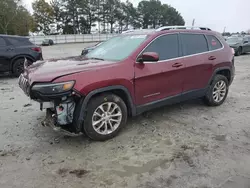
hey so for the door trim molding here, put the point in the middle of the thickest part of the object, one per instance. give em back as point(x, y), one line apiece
point(171, 100)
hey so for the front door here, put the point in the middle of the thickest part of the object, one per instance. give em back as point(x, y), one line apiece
point(159, 80)
point(5, 54)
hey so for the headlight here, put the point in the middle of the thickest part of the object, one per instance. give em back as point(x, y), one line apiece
point(54, 88)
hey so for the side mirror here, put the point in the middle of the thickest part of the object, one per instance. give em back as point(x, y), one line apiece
point(148, 56)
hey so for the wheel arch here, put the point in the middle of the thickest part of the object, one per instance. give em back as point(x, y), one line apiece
point(118, 90)
point(30, 58)
point(225, 71)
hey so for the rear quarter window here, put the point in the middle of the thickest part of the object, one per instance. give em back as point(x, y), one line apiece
point(19, 41)
point(213, 42)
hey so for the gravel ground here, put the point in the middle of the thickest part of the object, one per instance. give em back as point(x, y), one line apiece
point(186, 145)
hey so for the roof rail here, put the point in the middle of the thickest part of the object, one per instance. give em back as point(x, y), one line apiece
point(138, 30)
point(182, 27)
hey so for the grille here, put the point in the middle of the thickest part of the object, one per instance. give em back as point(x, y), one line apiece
point(24, 84)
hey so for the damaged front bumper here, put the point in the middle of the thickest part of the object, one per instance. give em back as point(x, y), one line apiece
point(60, 107)
point(51, 121)
point(61, 115)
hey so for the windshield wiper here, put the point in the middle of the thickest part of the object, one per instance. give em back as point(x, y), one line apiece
point(96, 58)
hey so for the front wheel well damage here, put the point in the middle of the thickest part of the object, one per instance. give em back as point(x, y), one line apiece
point(120, 93)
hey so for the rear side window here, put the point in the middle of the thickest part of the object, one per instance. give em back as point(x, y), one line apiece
point(213, 42)
point(193, 44)
point(19, 41)
point(166, 46)
point(2, 42)
point(13, 40)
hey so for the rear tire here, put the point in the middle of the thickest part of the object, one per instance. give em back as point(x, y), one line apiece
point(18, 67)
point(106, 115)
point(217, 92)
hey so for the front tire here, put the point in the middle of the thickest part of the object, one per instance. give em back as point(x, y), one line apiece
point(239, 51)
point(106, 115)
point(217, 92)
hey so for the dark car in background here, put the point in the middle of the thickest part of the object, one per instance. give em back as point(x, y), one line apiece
point(240, 45)
point(13, 52)
point(86, 50)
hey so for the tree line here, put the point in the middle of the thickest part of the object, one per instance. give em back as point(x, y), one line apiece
point(80, 16)
point(15, 19)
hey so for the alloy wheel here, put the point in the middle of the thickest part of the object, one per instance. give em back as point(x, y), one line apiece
point(106, 118)
point(20, 67)
point(219, 91)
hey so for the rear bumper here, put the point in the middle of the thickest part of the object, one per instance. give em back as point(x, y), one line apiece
point(232, 72)
point(38, 57)
point(236, 48)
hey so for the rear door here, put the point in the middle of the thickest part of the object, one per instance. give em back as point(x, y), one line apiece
point(247, 44)
point(162, 79)
point(197, 61)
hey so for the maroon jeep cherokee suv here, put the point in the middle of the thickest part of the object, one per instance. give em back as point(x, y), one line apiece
point(129, 74)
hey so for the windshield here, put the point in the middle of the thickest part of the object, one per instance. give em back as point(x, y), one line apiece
point(234, 40)
point(117, 48)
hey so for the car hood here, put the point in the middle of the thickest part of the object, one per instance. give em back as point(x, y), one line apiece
point(47, 71)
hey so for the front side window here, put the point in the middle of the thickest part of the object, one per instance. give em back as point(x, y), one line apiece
point(193, 44)
point(213, 42)
point(166, 46)
point(117, 48)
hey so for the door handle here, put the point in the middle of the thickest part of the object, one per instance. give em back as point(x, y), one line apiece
point(212, 58)
point(177, 65)
point(10, 49)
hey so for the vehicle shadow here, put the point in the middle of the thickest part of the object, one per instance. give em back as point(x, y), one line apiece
point(146, 119)
point(7, 76)
point(245, 54)
point(7, 79)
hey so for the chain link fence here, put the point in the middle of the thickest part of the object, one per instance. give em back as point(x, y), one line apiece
point(79, 38)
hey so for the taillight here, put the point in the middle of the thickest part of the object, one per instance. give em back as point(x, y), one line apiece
point(233, 52)
point(37, 49)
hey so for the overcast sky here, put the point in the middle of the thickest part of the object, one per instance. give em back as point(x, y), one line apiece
point(216, 14)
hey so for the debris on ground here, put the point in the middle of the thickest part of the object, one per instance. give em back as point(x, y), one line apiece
point(27, 105)
point(62, 171)
point(221, 137)
point(79, 172)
